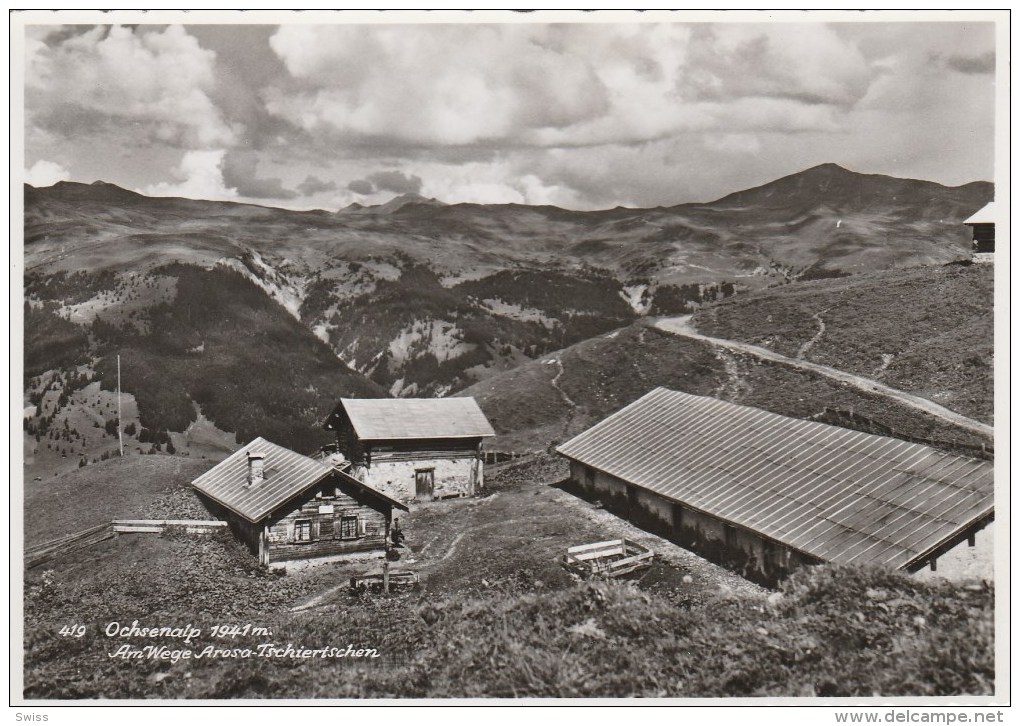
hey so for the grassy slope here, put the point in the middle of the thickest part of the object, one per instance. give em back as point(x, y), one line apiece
point(935, 322)
point(101, 492)
point(833, 632)
point(603, 374)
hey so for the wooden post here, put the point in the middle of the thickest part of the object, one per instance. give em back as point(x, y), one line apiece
point(934, 564)
point(971, 540)
point(120, 424)
point(386, 576)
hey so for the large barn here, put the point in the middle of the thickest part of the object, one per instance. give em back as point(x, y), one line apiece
point(767, 493)
point(413, 448)
point(286, 506)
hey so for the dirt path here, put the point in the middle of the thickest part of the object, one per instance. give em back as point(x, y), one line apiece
point(681, 326)
point(802, 351)
point(555, 383)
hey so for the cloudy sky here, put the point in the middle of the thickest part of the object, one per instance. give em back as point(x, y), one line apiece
point(583, 116)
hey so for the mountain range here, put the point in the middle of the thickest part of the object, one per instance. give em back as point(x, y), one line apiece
point(418, 297)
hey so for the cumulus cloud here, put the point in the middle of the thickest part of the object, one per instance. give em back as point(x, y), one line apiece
point(807, 64)
point(46, 173)
point(434, 84)
point(972, 64)
point(558, 85)
point(396, 182)
point(199, 176)
point(361, 186)
point(154, 82)
point(314, 185)
point(583, 115)
point(240, 172)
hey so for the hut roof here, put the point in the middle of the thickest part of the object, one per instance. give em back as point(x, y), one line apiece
point(286, 475)
point(413, 418)
point(840, 495)
point(988, 214)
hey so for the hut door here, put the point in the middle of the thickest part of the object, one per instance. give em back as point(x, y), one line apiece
point(424, 484)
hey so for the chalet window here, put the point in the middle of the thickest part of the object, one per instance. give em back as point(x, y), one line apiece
point(348, 527)
point(303, 530)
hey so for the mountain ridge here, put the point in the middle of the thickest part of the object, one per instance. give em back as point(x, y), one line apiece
point(395, 203)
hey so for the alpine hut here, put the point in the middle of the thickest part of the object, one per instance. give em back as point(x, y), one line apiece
point(286, 506)
point(767, 493)
point(413, 448)
point(982, 225)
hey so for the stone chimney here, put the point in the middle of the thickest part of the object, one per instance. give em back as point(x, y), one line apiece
point(256, 468)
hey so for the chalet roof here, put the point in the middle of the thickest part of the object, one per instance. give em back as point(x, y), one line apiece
point(413, 418)
point(286, 473)
point(840, 495)
point(988, 214)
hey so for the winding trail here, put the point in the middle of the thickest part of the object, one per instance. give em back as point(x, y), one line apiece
point(555, 383)
point(802, 351)
point(681, 326)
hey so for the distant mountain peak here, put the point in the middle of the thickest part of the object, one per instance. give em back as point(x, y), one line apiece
point(832, 184)
point(394, 205)
point(97, 191)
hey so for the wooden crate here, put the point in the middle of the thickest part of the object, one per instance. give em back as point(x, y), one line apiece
point(611, 558)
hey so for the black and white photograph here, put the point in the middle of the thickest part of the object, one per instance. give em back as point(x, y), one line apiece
point(511, 357)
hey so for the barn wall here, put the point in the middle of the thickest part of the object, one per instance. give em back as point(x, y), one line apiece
point(984, 237)
point(661, 509)
point(454, 477)
point(740, 549)
point(347, 441)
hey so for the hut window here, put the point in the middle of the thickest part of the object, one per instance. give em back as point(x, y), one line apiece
point(348, 527)
point(303, 530)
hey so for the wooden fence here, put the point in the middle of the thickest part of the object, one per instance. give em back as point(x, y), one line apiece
point(46, 551)
point(157, 526)
point(498, 457)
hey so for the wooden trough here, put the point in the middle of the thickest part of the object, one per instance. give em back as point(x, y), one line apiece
point(612, 558)
point(375, 580)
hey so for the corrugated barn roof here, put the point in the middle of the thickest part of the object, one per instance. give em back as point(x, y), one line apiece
point(286, 474)
point(414, 418)
point(840, 495)
point(988, 214)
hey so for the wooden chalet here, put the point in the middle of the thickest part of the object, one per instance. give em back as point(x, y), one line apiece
point(286, 506)
point(982, 225)
point(766, 493)
point(413, 448)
